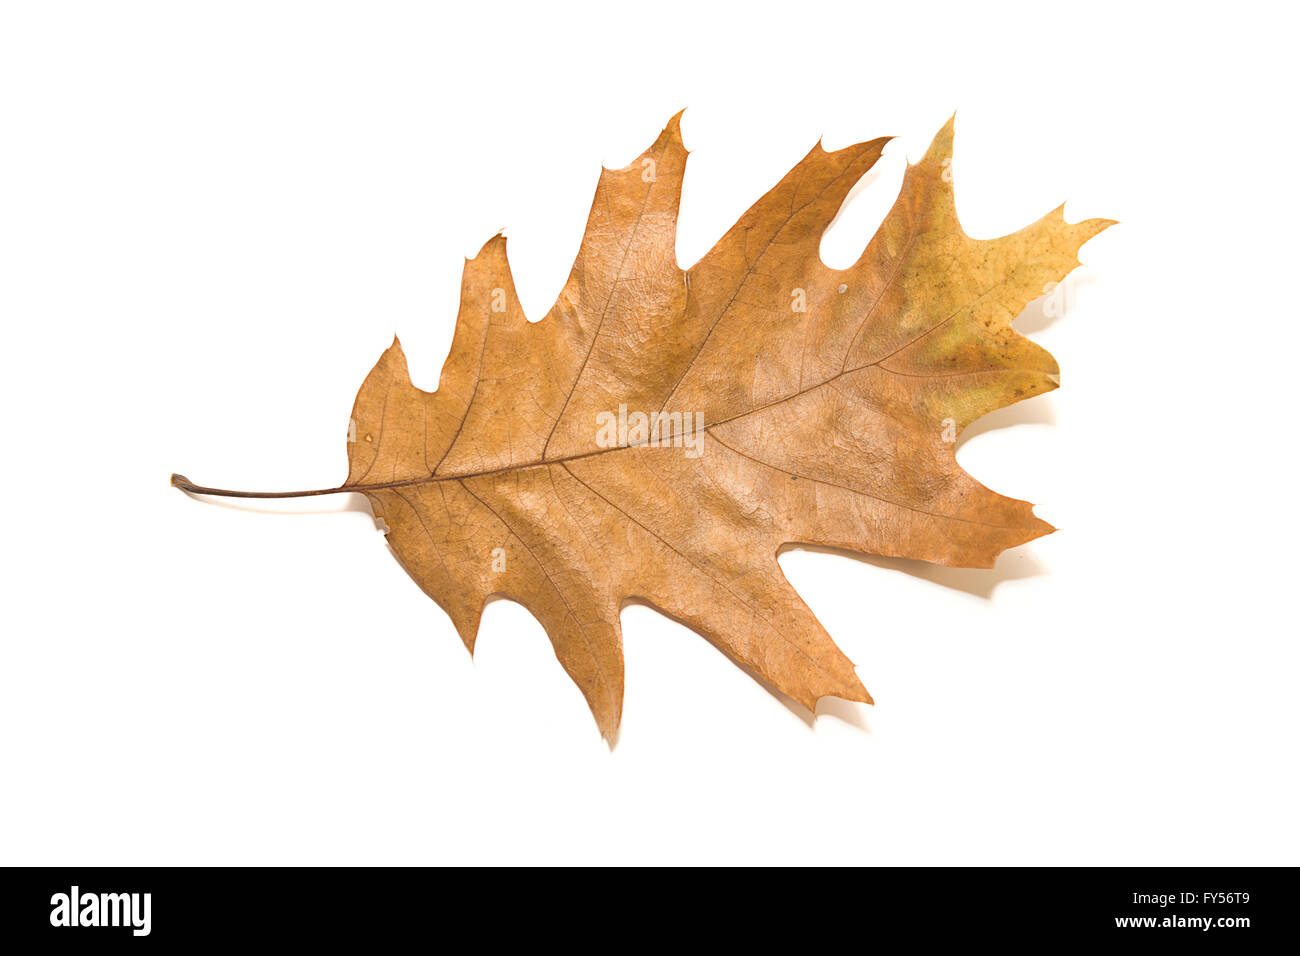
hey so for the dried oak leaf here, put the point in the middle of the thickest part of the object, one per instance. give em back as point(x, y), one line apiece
point(828, 400)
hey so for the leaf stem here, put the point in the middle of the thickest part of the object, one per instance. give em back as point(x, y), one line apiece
point(184, 484)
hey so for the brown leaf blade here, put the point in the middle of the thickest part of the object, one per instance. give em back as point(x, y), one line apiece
point(827, 401)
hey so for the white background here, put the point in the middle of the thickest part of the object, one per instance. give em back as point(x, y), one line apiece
point(214, 217)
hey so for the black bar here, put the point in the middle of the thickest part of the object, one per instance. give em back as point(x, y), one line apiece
point(849, 910)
